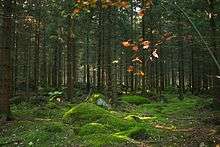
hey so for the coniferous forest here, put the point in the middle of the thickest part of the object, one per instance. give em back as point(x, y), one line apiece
point(100, 73)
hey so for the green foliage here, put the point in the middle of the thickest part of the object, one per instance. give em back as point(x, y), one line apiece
point(54, 127)
point(55, 94)
point(135, 99)
point(36, 137)
point(95, 96)
point(52, 105)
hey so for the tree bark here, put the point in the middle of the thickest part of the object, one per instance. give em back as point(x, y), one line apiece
point(5, 61)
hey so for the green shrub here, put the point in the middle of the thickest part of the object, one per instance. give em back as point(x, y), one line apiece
point(55, 94)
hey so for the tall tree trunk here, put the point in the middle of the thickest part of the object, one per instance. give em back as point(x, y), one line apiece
point(5, 61)
point(100, 26)
point(109, 57)
point(216, 52)
point(69, 60)
point(87, 64)
point(37, 48)
point(44, 81)
point(55, 64)
point(180, 60)
point(59, 76)
point(173, 75)
point(144, 56)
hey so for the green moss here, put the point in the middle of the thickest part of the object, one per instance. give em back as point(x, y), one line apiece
point(90, 113)
point(135, 99)
point(137, 133)
point(84, 113)
point(95, 96)
point(36, 137)
point(137, 118)
point(91, 125)
point(54, 127)
point(94, 128)
point(99, 140)
point(51, 105)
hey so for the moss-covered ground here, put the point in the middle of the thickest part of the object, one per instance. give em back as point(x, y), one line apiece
point(135, 122)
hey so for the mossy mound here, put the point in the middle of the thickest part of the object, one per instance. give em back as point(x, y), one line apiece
point(54, 127)
point(94, 128)
point(95, 96)
point(90, 113)
point(84, 113)
point(99, 99)
point(136, 133)
point(135, 99)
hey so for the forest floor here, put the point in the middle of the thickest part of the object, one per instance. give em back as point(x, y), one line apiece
point(134, 122)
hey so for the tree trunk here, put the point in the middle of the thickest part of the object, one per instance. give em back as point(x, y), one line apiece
point(69, 60)
point(216, 52)
point(5, 61)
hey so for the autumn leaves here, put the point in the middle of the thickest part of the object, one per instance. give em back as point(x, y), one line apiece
point(141, 45)
point(123, 4)
point(137, 48)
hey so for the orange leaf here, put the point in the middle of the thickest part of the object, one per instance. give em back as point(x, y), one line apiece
point(130, 69)
point(76, 11)
point(141, 13)
point(135, 48)
point(125, 43)
point(140, 74)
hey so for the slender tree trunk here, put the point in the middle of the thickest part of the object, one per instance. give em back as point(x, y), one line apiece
point(99, 5)
point(60, 78)
point(5, 61)
point(69, 60)
point(87, 64)
point(181, 60)
point(37, 51)
point(173, 75)
point(44, 61)
point(216, 52)
point(109, 57)
point(144, 56)
point(55, 65)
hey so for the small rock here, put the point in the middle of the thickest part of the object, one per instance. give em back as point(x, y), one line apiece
point(101, 102)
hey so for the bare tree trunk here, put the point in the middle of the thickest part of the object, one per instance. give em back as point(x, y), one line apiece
point(87, 64)
point(5, 61)
point(69, 61)
point(99, 5)
point(44, 62)
point(216, 52)
point(180, 60)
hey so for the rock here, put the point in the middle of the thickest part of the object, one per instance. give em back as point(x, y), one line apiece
point(103, 103)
